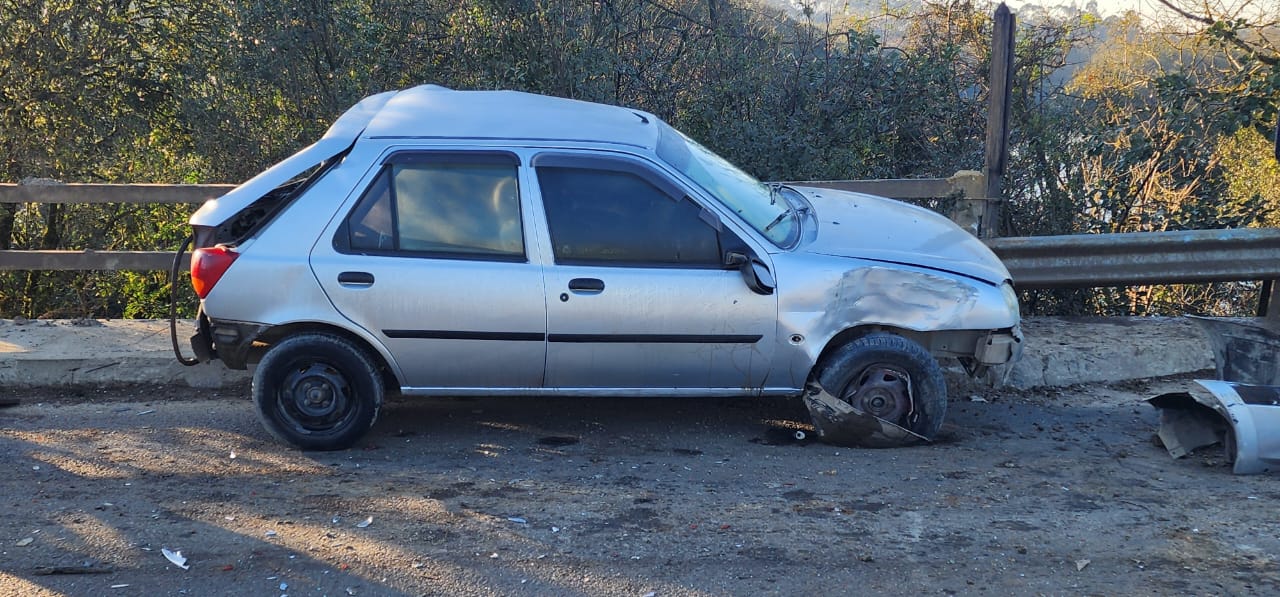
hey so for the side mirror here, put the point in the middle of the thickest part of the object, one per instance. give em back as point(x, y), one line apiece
point(757, 277)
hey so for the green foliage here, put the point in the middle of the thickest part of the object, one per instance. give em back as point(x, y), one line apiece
point(1151, 133)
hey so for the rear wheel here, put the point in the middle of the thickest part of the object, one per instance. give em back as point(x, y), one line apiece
point(890, 377)
point(317, 391)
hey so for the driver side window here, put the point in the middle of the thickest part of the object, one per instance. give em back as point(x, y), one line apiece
point(603, 216)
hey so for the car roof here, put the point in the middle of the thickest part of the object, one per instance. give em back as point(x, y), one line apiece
point(435, 112)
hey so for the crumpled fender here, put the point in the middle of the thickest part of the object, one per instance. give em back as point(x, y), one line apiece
point(837, 422)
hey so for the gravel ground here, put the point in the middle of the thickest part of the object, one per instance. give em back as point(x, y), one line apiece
point(1056, 492)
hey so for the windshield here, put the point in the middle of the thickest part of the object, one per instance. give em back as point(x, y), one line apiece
point(762, 207)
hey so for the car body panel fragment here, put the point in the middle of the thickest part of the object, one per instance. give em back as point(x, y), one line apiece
point(1244, 418)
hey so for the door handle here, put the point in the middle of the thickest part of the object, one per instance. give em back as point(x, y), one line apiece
point(586, 285)
point(356, 279)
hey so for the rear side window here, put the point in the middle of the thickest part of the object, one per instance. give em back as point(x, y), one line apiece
point(606, 216)
point(443, 205)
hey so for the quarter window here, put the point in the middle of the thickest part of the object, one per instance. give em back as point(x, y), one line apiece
point(441, 205)
point(618, 217)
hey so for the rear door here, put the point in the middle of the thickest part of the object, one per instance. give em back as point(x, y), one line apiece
point(432, 260)
point(638, 296)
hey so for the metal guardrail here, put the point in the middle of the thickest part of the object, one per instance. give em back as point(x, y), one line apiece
point(52, 192)
point(1073, 261)
point(1141, 258)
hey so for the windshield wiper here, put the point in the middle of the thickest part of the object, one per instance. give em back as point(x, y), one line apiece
point(778, 220)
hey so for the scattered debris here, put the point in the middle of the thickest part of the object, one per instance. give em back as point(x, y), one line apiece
point(838, 422)
point(364, 524)
point(784, 435)
point(119, 586)
point(270, 534)
point(175, 558)
point(25, 541)
point(147, 412)
point(1244, 418)
point(1081, 564)
point(517, 520)
point(978, 399)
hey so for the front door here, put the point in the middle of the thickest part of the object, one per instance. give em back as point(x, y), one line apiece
point(637, 296)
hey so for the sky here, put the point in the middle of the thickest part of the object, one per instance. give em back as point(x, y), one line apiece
point(1105, 7)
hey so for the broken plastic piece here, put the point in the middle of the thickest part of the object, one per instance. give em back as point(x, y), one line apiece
point(1244, 348)
point(25, 541)
point(838, 422)
point(175, 558)
point(1244, 418)
point(518, 520)
point(364, 524)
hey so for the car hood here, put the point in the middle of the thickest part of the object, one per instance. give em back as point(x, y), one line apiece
point(876, 228)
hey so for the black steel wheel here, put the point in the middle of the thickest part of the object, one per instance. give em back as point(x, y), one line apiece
point(317, 391)
point(890, 377)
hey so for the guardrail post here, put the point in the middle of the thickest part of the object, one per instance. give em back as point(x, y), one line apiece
point(999, 90)
point(1267, 306)
point(969, 210)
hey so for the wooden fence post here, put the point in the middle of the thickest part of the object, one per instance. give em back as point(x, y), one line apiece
point(997, 146)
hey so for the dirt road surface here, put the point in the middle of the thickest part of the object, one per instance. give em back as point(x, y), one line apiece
point(1055, 492)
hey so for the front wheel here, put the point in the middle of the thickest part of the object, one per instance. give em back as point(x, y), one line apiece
point(890, 377)
point(317, 391)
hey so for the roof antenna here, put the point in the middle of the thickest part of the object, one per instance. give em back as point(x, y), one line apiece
point(642, 118)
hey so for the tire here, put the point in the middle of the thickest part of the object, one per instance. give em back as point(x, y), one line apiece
point(891, 377)
point(317, 391)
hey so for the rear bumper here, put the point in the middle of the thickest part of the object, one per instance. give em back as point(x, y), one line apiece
point(231, 342)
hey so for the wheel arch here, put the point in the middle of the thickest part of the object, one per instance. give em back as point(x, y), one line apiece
point(274, 334)
point(853, 333)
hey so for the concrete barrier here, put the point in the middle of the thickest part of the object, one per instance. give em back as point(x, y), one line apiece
point(1059, 351)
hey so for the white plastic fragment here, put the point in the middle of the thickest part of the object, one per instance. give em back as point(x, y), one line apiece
point(517, 520)
point(175, 558)
point(270, 533)
point(1080, 564)
point(25, 541)
point(284, 586)
point(146, 412)
point(364, 524)
point(118, 586)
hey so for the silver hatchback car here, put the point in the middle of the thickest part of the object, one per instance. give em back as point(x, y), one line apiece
point(445, 242)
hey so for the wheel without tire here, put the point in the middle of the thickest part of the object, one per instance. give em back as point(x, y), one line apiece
point(317, 391)
point(890, 377)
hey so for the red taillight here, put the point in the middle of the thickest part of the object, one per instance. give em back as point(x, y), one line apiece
point(208, 265)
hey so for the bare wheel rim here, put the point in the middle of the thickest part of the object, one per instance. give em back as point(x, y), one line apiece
point(316, 398)
point(881, 390)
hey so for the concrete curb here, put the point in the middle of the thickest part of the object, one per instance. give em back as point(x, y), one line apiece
point(1059, 351)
